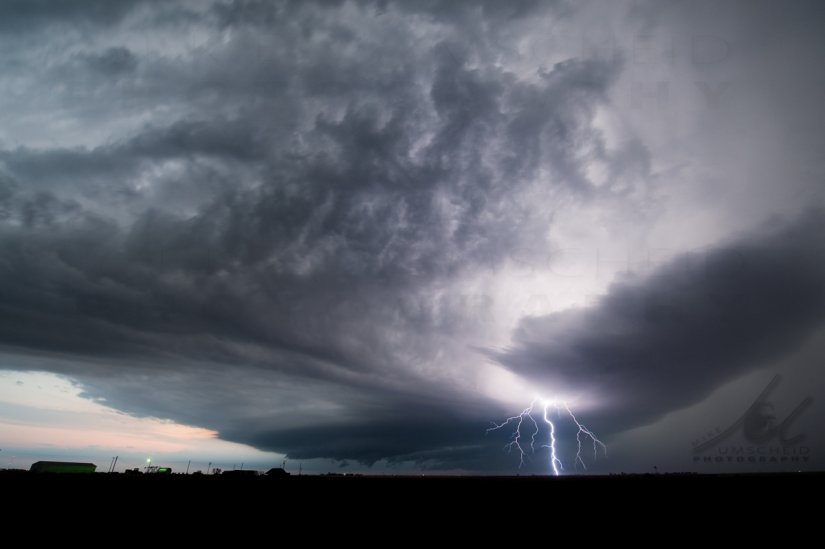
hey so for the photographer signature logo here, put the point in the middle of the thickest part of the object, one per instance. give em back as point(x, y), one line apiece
point(766, 434)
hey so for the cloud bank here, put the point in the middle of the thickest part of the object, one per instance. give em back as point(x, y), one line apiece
point(300, 224)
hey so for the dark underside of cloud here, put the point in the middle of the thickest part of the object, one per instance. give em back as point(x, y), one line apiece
point(663, 342)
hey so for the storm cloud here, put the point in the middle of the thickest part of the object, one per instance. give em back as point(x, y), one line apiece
point(334, 229)
point(662, 342)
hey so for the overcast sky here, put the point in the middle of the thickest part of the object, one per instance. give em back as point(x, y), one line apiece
point(355, 233)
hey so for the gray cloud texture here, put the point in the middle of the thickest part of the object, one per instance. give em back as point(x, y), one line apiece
point(264, 218)
point(662, 342)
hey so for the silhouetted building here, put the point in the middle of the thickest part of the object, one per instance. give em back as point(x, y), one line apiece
point(157, 470)
point(62, 467)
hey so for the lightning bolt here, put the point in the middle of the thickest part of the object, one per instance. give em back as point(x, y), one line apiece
point(587, 433)
point(516, 437)
point(555, 462)
point(526, 415)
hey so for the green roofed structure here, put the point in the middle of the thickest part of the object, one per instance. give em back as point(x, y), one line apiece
point(62, 467)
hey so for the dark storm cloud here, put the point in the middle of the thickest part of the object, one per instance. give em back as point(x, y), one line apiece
point(259, 217)
point(113, 61)
point(291, 220)
point(359, 215)
point(262, 12)
point(218, 138)
point(666, 341)
point(397, 432)
point(22, 15)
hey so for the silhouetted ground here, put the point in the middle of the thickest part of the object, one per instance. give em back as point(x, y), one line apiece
point(179, 483)
point(327, 505)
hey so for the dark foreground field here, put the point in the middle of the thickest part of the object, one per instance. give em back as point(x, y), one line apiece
point(330, 484)
point(473, 503)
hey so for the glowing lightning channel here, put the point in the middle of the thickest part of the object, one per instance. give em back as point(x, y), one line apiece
point(516, 442)
point(527, 414)
point(587, 432)
point(555, 462)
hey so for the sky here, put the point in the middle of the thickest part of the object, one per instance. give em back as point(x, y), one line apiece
point(354, 235)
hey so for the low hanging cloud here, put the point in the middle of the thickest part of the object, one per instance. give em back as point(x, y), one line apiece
point(265, 218)
point(665, 341)
point(296, 221)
